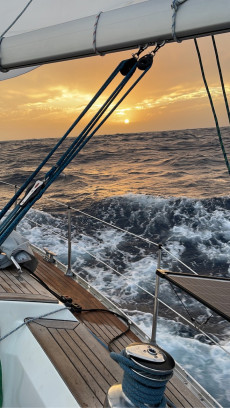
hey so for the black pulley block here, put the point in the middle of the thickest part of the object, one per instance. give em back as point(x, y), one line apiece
point(145, 62)
point(128, 65)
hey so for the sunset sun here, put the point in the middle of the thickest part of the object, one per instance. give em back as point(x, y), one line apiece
point(126, 121)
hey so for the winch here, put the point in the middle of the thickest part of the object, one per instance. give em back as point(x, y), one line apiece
point(147, 369)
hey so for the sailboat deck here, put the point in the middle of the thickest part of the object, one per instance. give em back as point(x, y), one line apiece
point(78, 349)
point(12, 287)
point(104, 327)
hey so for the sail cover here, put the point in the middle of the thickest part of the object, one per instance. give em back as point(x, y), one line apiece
point(53, 30)
point(213, 292)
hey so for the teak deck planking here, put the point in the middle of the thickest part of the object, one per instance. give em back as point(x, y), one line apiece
point(76, 348)
point(106, 326)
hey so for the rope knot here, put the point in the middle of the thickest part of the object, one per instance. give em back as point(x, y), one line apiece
point(175, 6)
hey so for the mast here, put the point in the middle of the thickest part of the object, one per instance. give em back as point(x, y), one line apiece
point(124, 28)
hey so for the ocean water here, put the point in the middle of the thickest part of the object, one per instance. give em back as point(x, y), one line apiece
point(169, 187)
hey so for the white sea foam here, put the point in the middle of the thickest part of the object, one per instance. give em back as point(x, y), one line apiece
point(187, 228)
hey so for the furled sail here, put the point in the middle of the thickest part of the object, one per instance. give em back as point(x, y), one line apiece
point(53, 30)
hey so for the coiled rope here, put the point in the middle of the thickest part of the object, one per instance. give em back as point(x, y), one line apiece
point(139, 389)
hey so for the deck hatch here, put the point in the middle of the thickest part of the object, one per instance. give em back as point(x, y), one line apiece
point(212, 292)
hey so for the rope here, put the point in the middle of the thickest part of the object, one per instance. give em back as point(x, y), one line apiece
point(212, 107)
point(32, 319)
point(175, 6)
point(19, 211)
point(8, 28)
point(95, 35)
point(221, 77)
point(139, 389)
point(59, 143)
point(16, 19)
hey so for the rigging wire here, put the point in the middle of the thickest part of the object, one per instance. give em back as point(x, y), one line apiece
point(221, 77)
point(15, 20)
point(128, 68)
point(212, 106)
point(197, 325)
point(59, 143)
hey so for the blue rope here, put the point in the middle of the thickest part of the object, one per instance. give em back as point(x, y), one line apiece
point(139, 389)
point(33, 175)
point(18, 213)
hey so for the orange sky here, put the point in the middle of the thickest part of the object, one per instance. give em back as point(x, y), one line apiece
point(46, 101)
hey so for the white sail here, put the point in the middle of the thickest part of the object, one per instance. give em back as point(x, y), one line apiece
point(52, 30)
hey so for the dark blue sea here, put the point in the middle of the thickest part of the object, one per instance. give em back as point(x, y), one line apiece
point(168, 187)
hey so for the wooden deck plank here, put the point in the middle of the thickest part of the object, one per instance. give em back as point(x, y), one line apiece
point(26, 289)
point(31, 285)
point(26, 297)
point(8, 285)
point(60, 361)
point(110, 329)
point(91, 368)
point(79, 368)
point(16, 284)
point(2, 289)
point(88, 346)
point(70, 350)
point(172, 397)
point(100, 328)
point(182, 392)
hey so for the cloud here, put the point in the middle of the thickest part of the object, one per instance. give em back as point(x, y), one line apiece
point(61, 101)
point(178, 96)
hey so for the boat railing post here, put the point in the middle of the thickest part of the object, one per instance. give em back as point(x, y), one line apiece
point(156, 302)
point(69, 271)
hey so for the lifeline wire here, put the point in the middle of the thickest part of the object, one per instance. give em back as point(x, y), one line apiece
point(32, 319)
point(175, 6)
point(212, 107)
point(144, 290)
